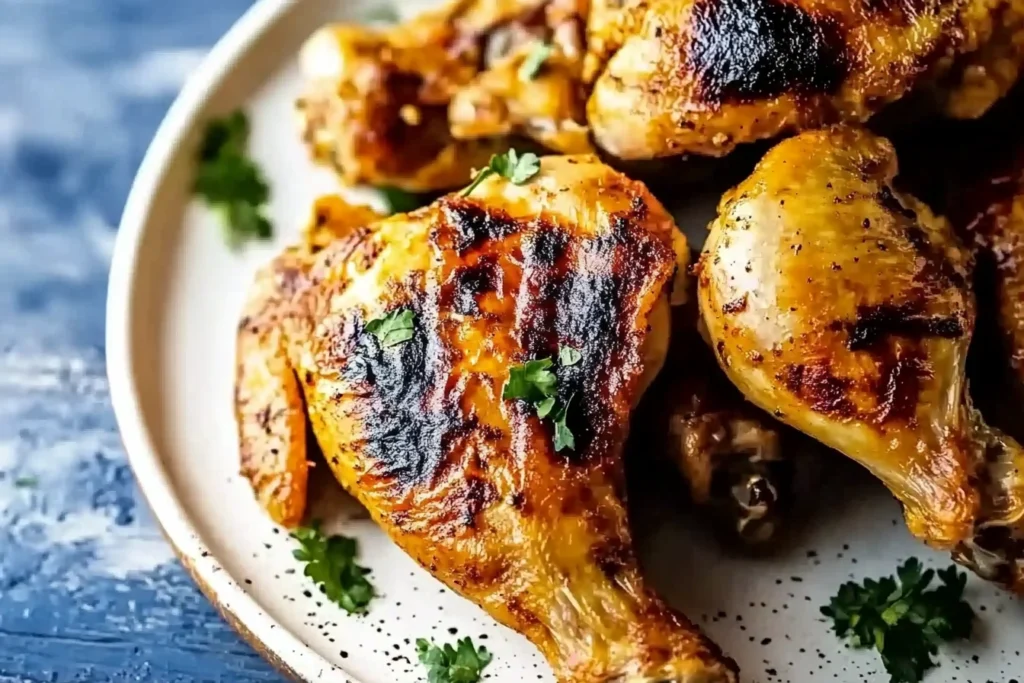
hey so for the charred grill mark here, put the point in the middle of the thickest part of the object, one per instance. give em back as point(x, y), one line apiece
point(899, 386)
point(590, 314)
point(546, 246)
point(476, 495)
point(470, 225)
point(466, 283)
point(568, 305)
point(875, 324)
point(566, 301)
point(743, 50)
point(408, 430)
point(823, 391)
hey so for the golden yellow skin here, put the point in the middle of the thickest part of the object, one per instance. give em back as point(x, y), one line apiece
point(843, 308)
point(467, 483)
point(675, 77)
point(422, 104)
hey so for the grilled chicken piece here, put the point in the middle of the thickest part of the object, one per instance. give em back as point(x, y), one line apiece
point(469, 484)
point(420, 105)
point(842, 307)
point(728, 452)
point(674, 77)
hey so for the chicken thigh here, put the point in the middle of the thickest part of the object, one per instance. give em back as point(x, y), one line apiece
point(676, 77)
point(843, 307)
point(518, 510)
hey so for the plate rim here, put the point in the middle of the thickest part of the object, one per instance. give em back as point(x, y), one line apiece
point(275, 643)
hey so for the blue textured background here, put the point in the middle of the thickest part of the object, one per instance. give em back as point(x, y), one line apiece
point(89, 591)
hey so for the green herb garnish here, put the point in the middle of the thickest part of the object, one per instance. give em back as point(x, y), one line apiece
point(330, 562)
point(904, 621)
point(446, 664)
point(26, 483)
point(563, 435)
point(230, 182)
point(531, 66)
point(567, 356)
point(400, 201)
point(545, 407)
point(534, 382)
point(514, 168)
point(394, 328)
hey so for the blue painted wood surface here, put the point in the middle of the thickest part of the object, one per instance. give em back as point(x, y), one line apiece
point(89, 591)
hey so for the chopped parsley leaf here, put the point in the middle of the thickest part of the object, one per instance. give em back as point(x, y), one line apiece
point(534, 61)
point(393, 329)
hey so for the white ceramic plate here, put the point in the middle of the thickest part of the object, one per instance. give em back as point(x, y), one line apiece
point(175, 296)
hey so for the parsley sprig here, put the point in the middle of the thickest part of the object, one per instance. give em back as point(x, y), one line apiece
point(531, 66)
point(514, 168)
point(535, 383)
point(396, 327)
point(532, 381)
point(331, 563)
point(463, 663)
point(230, 182)
point(905, 621)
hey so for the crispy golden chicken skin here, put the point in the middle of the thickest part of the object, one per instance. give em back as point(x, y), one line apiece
point(673, 77)
point(843, 307)
point(469, 484)
point(421, 104)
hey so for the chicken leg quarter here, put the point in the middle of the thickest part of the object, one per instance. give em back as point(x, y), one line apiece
point(842, 307)
point(468, 483)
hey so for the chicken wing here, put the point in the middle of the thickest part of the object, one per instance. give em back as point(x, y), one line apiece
point(272, 431)
point(468, 483)
point(674, 77)
point(842, 306)
point(420, 105)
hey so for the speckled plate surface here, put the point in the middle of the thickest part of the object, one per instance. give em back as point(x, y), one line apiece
point(175, 294)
